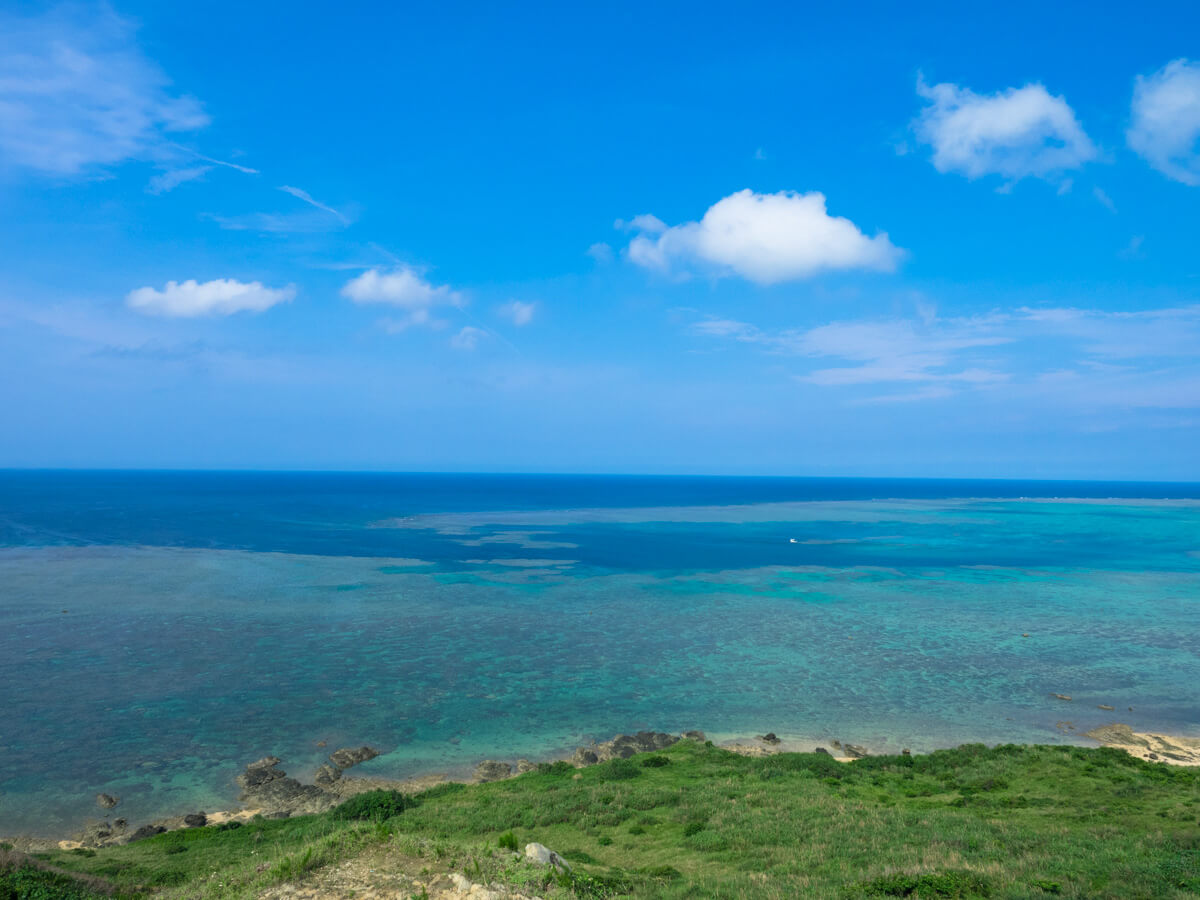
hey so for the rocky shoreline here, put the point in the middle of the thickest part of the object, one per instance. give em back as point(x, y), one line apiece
point(268, 791)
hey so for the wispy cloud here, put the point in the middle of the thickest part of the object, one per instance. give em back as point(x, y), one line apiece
point(1015, 133)
point(764, 238)
point(518, 313)
point(300, 194)
point(468, 338)
point(172, 178)
point(78, 96)
point(1022, 346)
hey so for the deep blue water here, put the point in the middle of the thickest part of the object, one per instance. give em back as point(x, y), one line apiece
point(160, 629)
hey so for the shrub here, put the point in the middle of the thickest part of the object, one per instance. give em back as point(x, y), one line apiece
point(507, 841)
point(373, 806)
point(692, 828)
point(707, 842)
point(31, 883)
point(604, 840)
point(655, 762)
point(636, 829)
point(562, 767)
point(1050, 887)
point(956, 883)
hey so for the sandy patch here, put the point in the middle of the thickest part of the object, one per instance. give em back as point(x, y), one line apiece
point(1178, 751)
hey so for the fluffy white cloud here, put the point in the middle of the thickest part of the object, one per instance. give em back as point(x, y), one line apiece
point(406, 288)
point(220, 297)
point(1165, 120)
point(76, 94)
point(1015, 133)
point(468, 338)
point(765, 238)
point(520, 313)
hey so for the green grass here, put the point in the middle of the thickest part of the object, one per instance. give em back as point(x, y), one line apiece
point(1004, 822)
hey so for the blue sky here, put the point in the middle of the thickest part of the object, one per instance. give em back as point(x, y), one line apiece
point(959, 241)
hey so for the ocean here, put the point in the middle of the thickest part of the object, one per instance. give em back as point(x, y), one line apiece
point(159, 630)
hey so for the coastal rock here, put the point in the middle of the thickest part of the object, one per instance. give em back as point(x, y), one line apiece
point(490, 770)
point(350, 756)
point(1102, 706)
point(821, 750)
point(855, 750)
point(327, 775)
point(585, 757)
point(524, 765)
point(195, 820)
point(1061, 696)
point(623, 746)
point(544, 856)
point(695, 736)
point(107, 801)
point(269, 788)
point(146, 831)
point(769, 738)
point(261, 771)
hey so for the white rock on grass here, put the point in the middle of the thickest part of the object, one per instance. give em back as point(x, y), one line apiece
point(544, 856)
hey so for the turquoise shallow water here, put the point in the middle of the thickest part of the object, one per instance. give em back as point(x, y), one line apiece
point(153, 641)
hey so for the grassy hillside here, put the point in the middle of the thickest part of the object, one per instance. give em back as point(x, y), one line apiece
point(697, 821)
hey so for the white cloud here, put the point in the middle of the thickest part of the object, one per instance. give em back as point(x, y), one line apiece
point(403, 287)
point(468, 338)
point(765, 238)
point(300, 194)
point(1015, 133)
point(221, 297)
point(1165, 120)
point(77, 95)
point(520, 313)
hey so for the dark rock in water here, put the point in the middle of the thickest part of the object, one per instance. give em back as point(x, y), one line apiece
point(1102, 706)
point(585, 757)
point(350, 756)
point(1061, 696)
point(195, 820)
point(695, 736)
point(524, 765)
point(836, 743)
point(120, 823)
point(906, 752)
point(490, 770)
point(821, 750)
point(146, 831)
point(769, 738)
point(855, 750)
point(107, 801)
point(327, 775)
